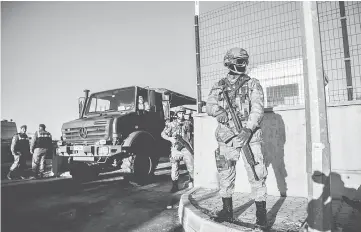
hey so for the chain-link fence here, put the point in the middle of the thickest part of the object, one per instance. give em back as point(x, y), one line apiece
point(340, 31)
point(271, 33)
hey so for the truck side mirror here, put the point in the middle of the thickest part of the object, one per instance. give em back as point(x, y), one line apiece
point(81, 101)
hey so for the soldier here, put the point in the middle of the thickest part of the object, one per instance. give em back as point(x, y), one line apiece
point(19, 149)
point(41, 144)
point(189, 120)
point(142, 105)
point(178, 152)
point(247, 102)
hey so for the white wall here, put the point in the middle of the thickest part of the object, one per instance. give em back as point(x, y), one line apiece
point(284, 148)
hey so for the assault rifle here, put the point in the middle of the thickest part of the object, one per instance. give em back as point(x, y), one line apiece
point(237, 122)
point(181, 143)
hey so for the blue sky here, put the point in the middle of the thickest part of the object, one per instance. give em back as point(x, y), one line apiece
point(52, 51)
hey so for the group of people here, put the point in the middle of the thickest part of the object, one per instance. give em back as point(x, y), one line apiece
point(246, 99)
point(39, 146)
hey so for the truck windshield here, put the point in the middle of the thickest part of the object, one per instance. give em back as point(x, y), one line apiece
point(114, 100)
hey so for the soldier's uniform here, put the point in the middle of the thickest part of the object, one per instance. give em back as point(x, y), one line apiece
point(41, 144)
point(182, 128)
point(189, 121)
point(19, 149)
point(247, 102)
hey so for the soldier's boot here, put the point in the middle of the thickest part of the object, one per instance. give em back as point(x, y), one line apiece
point(226, 214)
point(10, 175)
point(174, 186)
point(261, 214)
point(190, 184)
point(41, 175)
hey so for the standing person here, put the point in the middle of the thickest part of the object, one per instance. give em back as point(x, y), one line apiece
point(178, 152)
point(41, 144)
point(19, 149)
point(246, 96)
point(189, 120)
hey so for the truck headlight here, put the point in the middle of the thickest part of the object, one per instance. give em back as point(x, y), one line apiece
point(103, 151)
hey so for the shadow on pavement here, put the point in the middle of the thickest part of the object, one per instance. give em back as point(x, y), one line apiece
point(64, 205)
point(272, 213)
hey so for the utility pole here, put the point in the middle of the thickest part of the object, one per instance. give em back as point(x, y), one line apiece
point(318, 158)
point(196, 27)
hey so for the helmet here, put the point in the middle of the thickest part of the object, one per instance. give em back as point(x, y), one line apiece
point(181, 109)
point(236, 59)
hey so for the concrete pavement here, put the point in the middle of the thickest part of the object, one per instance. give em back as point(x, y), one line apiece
point(107, 204)
point(283, 213)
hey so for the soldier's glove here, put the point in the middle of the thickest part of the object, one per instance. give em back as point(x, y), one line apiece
point(244, 136)
point(235, 142)
point(222, 117)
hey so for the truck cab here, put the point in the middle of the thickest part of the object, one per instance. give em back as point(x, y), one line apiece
point(119, 129)
point(8, 130)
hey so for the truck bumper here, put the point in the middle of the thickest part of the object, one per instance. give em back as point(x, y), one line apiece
point(89, 150)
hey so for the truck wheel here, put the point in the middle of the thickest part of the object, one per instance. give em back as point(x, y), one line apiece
point(143, 168)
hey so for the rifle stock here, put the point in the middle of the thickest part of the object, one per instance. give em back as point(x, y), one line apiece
point(246, 148)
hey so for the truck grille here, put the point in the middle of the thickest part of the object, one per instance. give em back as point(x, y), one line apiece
point(92, 133)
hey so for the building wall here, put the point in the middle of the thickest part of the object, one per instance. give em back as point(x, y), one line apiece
point(284, 148)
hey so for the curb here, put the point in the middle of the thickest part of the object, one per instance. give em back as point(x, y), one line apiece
point(193, 220)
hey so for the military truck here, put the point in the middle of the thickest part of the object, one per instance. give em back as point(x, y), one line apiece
point(119, 129)
point(8, 130)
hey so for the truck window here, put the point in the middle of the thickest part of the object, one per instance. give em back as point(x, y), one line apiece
point(113, 100)
point(98, 105)
point(8, 129)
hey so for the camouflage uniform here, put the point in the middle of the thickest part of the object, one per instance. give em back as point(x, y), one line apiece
point(248, 102)
point(246, 99)
point(171, 130)
point(19, 149)
point(41, 144)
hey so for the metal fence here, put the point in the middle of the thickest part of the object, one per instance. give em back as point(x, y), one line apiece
point(271, 33)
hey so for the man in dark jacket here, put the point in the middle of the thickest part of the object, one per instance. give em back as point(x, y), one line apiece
point(41, 144)
point(19, 149)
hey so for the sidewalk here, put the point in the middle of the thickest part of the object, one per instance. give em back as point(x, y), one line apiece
point(283, 213)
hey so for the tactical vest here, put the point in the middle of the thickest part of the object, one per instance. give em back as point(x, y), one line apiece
point(180, 128)
point(239, 99)
point(23, 143)
point(43, 140)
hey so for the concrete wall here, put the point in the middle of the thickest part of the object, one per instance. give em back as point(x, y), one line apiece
point(284, 148)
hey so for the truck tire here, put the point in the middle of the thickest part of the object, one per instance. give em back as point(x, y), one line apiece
point(143, 168)
point(144, 161)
